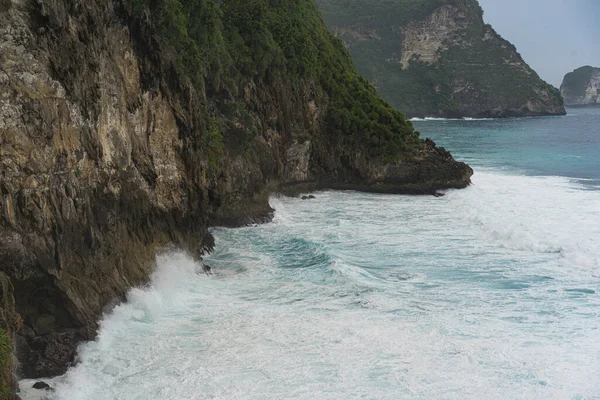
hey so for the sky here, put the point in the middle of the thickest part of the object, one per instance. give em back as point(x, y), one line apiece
point(553, 36)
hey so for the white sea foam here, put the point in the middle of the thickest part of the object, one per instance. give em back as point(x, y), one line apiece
point(487, 293)
point(449, 119)
point(416, 119)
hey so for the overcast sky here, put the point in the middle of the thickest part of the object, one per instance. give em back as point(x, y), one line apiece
point(553, 36)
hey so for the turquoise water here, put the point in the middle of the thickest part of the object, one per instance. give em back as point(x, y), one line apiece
point(558, 146)
point(492, 292)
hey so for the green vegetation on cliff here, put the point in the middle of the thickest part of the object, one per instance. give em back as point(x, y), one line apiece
point(438, 57)
point(9, 323)
point(220, 44)
point(385, 13)
point(577, 81)
point(581, 87)
point(132, 126)
point(5, 364)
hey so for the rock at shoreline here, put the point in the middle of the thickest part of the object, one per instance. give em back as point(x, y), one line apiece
point(41, 386)
point(207, 269)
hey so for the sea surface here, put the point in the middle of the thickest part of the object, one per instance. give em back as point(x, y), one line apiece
point(492, 292)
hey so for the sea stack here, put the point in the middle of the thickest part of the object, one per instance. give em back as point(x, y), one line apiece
point(581, 88)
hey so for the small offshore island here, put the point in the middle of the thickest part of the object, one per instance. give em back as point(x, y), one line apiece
point(581, 88)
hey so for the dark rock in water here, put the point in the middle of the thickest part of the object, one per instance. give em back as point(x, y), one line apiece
point(310, 196)
point(439, 194)
point(207, 269)
point(41, 385)
point(208, 242)
point(47, 355)
point(403, 277)
point(305, 197)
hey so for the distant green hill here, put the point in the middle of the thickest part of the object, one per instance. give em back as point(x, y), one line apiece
point(582, 87)
point(438, 58)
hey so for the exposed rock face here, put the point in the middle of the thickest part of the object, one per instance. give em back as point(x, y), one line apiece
point(426, 40)
point(105, 161)
point(438, 58)
point(581, 87)
point(91, 175)
point(10, 323)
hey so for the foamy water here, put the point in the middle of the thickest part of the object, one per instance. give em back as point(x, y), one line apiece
point(417, 119)
point(492, 292)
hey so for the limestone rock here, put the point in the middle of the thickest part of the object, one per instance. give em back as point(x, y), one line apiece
point(438, 58)
point(582, 87)
point(110, 153)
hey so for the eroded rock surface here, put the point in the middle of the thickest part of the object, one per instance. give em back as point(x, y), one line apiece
point(582, 87)
point(105, 161)
point(438, 58)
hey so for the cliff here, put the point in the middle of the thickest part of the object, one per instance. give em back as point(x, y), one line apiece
point(128, 127)
point(581, 87)
point(439, 58)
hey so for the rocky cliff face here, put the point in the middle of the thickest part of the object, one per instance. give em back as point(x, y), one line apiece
point(438, 58)
point(111, 150)
point(581, 87)
point(10, 324)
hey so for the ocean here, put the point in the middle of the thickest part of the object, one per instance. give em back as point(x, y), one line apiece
point(492, 292)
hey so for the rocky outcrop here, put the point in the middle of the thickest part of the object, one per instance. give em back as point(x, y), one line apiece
point(110, 152)
point(91, 174)
point(581, 87)
point(10, 324)
point(426, 40)
point(439, 58)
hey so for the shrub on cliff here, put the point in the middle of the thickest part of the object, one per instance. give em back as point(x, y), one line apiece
point(222, 44)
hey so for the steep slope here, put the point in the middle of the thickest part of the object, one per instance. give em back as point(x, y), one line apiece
point(438, 58)
point(581, 87)
point(127, 127)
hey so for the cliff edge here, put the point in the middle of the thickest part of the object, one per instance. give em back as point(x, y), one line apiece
point(130, 126)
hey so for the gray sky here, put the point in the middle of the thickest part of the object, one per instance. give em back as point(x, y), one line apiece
point(553, 36)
